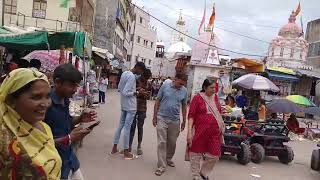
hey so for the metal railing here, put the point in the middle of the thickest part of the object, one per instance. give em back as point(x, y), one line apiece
point(24, 21)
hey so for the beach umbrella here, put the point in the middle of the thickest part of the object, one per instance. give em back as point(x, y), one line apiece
point(301, 100)
point(256, 82)
point(313, 111)
point(283, 106)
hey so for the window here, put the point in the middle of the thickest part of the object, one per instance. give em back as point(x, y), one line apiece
point(10, 6)
point(141, 20)
point(128, 58)
point(147, 43)
point(139, 39)
point(149, 62)
point(132, 37)
point(39, 8)
point(151, 45)
point(118, 41)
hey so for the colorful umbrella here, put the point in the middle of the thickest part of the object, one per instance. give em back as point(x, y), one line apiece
point(283, 106)
point(49, 59)
point(301, 100)
point(256, 82)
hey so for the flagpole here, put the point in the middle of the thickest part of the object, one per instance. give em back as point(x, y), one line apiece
point(205, 7)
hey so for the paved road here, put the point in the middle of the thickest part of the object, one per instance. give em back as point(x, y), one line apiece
point(96, 164)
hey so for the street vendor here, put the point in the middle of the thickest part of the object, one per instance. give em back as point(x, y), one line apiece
point(293, 125)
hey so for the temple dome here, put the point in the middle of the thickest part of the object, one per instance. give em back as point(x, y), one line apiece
point(179, 47)
point(291, 30)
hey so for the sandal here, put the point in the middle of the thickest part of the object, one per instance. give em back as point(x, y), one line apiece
point(131, 158)
point(159, 171)
point(171, 164)
point(203, 177)
point(139, 151)
point(113, 154)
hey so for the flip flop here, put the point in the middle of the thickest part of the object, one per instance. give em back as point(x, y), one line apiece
point(159, 171)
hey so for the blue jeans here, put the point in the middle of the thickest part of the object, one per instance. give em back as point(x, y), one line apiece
point(126, 120)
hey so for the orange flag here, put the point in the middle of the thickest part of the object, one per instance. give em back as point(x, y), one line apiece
point(298, 10)
point(212, 17)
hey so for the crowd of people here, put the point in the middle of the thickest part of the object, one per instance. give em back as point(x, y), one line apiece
point(37, 131)
point(204, 120)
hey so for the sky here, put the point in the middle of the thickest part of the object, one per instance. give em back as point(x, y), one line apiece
point(246, 17)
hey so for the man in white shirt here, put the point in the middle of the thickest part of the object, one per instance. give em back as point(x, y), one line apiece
point(103, 86)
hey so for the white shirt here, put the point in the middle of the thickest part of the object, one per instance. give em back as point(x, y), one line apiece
point(103, 85)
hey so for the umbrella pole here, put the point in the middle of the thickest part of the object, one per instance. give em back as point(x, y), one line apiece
point(1, 62)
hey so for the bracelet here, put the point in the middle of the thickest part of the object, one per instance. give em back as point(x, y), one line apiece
point(69, 138)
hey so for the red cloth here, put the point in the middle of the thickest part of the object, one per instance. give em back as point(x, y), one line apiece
point(207, 136)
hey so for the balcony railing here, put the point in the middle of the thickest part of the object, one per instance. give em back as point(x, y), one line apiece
point(24, 21)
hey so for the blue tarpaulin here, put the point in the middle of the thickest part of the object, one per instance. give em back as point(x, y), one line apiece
point(284, 77)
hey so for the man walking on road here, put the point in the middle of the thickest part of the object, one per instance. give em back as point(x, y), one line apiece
point(141, 110)
point(166, 118)
point(128, 91)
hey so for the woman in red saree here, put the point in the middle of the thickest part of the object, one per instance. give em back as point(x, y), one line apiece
point(205, 131)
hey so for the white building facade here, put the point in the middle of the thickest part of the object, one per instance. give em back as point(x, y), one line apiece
point(38, 13)
point(143, 39)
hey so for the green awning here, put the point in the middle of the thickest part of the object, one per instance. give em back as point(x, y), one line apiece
point(39, 40)
point(73, 40)
point(31, 40)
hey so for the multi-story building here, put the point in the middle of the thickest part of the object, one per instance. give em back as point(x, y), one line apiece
point(83, 13)
point(112, 28)
point(49, 15)
point(313, 38)
point(143, 39)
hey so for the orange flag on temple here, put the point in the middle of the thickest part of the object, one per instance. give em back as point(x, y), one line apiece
point(298, 10)
point(212, 17)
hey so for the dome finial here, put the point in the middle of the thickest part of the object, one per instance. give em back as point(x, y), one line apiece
point(180, 20)
point(292, 18)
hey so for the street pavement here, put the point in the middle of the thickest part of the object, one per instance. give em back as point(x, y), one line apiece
point(97, 164)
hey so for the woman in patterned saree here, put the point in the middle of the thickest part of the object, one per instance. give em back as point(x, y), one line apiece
point(205, 131)
point(27, 149)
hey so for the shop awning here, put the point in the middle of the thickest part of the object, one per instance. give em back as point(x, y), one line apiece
point(307, 73)
point(249, 65)
point(283, 77)
point(30, 40)
point(282, 70)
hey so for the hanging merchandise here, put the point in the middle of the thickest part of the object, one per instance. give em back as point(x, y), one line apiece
point(76, 64)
